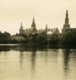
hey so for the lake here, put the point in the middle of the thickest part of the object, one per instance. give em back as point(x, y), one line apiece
point(18, 62)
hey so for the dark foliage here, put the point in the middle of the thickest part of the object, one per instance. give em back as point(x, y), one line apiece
point(54, 39)
point(5, 37)
point(70, 38)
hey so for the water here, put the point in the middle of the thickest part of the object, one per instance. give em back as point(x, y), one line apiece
point(25, 63)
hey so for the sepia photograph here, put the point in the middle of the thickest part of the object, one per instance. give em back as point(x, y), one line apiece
point(37, 39)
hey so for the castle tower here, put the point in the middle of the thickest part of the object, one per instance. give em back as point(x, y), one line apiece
point(33, 26)
point(21, 30)
point(66, 26)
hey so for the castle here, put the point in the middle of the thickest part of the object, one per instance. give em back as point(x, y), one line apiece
point(33, 29)
point(23, 33)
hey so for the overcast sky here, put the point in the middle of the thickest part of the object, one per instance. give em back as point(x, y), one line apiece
point(50, 12)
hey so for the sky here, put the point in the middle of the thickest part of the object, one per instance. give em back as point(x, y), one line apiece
point(50, 12)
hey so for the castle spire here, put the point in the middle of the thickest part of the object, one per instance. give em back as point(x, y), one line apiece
point(33, 26)
point(21, 23)
point(21, 30)
point(66, 18)
point(21, 27)
point(33, 22)
point(46, 27)
point(66, 13)
point(33, 19)
point(66, 25)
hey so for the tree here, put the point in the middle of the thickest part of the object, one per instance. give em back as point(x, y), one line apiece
point(5, 37)
point(54, 39)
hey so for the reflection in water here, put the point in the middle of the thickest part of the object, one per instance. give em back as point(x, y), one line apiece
point(24, 63)
point(21, 59)
point(33, 57)
point(33, 60)
point(4, 48)
point(66, 55)
point(46, 56)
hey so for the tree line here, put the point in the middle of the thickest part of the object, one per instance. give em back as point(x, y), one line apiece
point(69, 38)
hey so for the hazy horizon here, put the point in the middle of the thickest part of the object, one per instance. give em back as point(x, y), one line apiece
point(50, 12)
